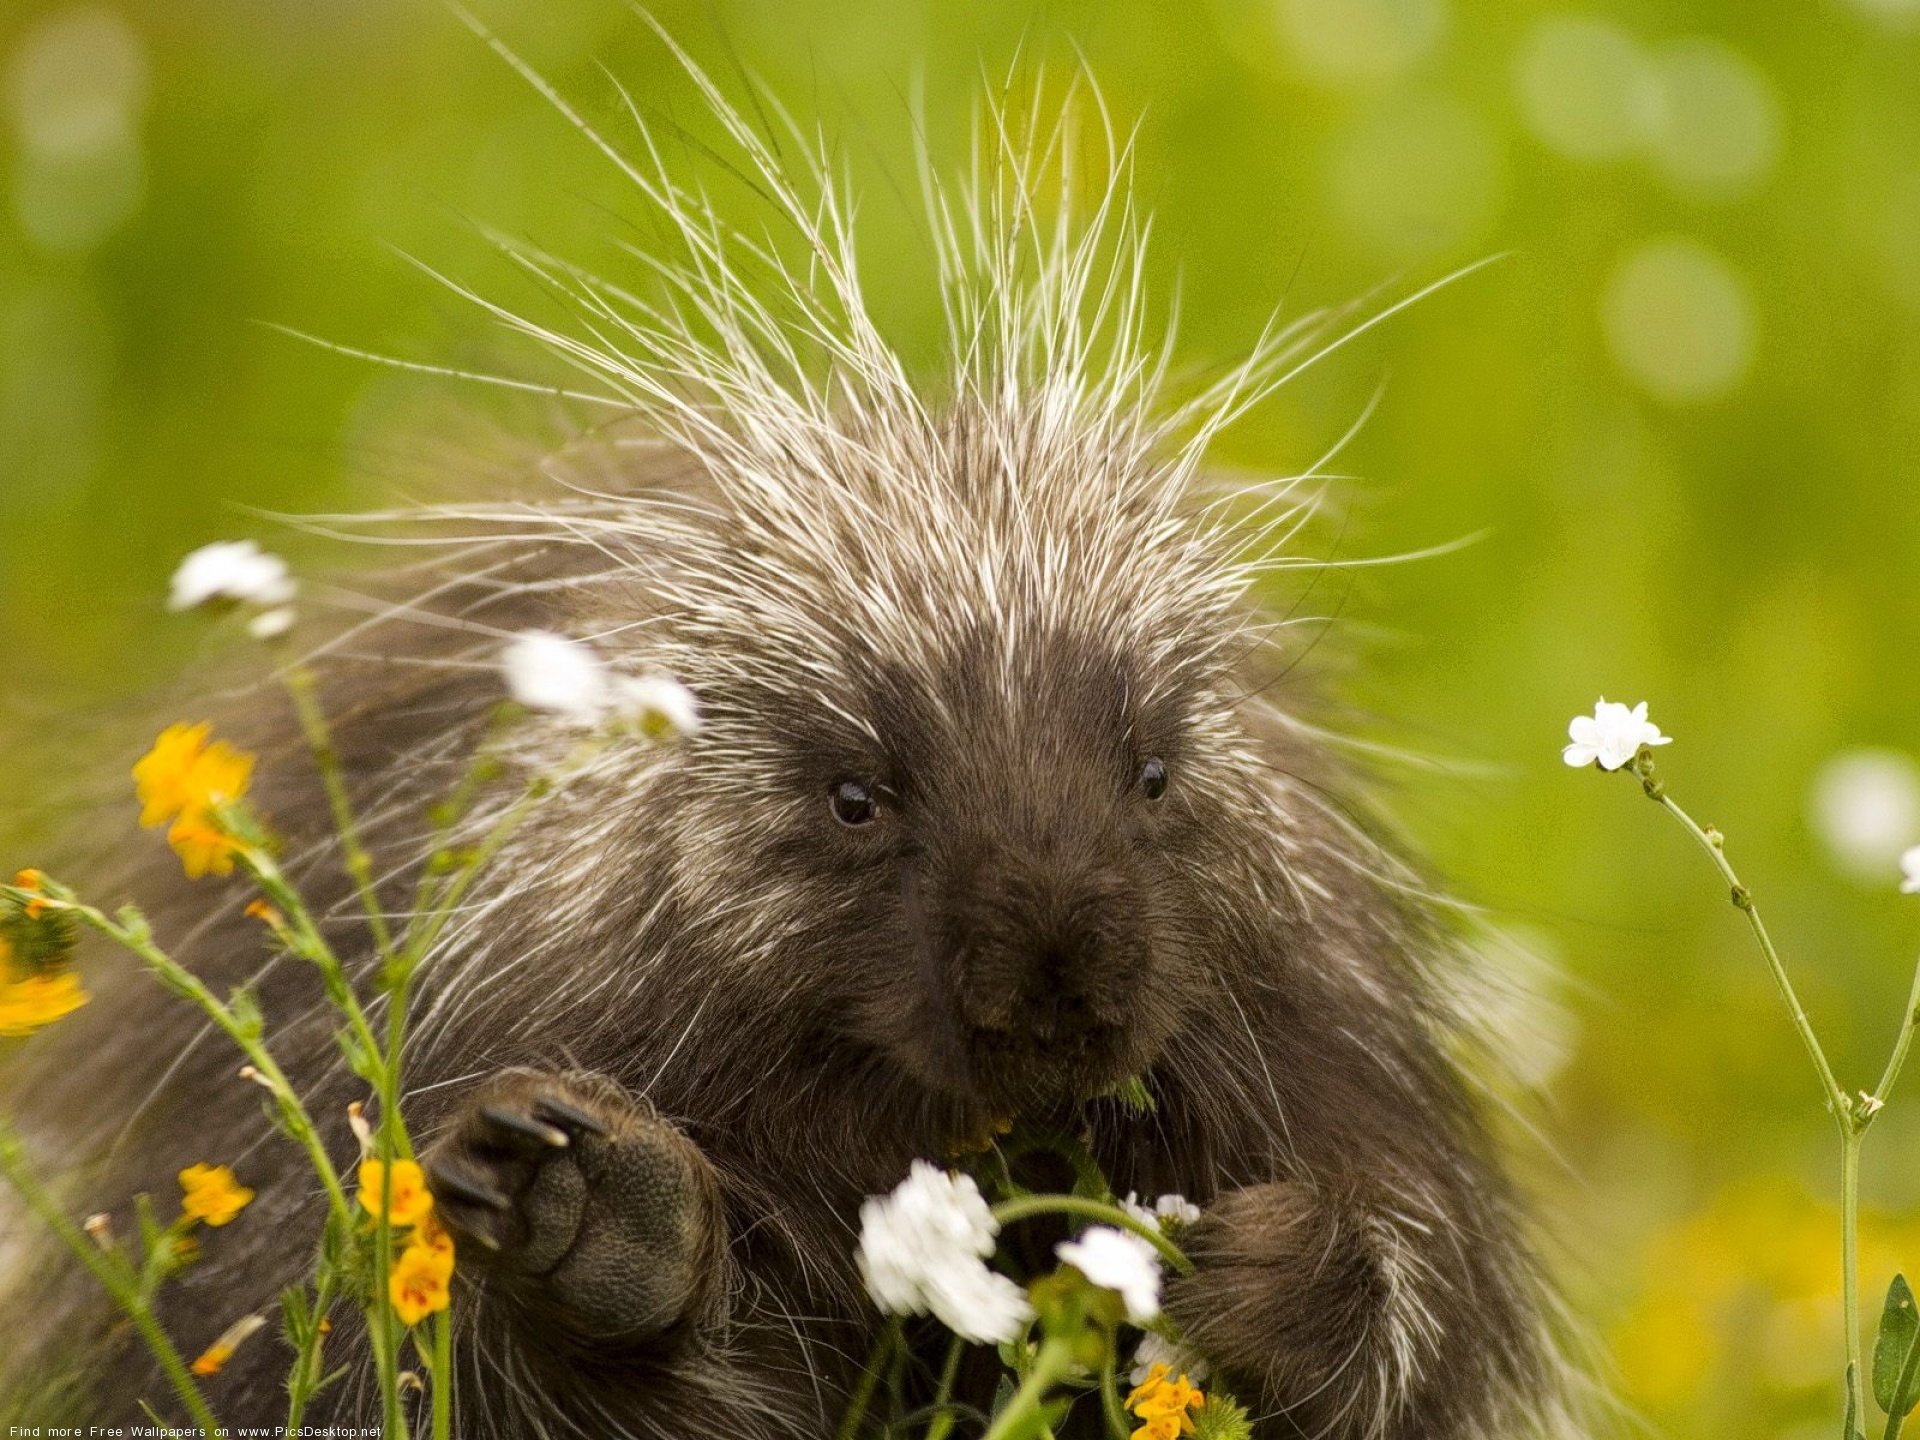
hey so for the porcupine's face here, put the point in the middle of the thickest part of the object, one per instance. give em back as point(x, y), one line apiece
point(988, 844)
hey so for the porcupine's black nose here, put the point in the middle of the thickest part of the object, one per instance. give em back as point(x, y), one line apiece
point(1047, 946)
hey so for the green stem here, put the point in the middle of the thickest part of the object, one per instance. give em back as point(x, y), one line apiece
point(1850, 1263)
point(943, 1418)
point(862, 1397)
point(1849, 1118)
point(1117, 1422)
point(303, 935)
point(1743, 898)
point(305, 1380)
point(443, 1376)
point(118, 1283)
point(313, 724)
point(1049, 1367)
point(1902, 1042)
point(1026, 1206)
point(177, 978)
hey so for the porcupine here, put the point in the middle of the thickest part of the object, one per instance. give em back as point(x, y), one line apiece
point(994, 805)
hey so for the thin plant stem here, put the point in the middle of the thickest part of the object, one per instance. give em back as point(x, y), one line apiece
point(1116, 1413)
point(1836, 1098)
point(862, 1397)
point(1895, 1061)
point(303, 936)
point(1029, 1205)
point(943, 1419)
point(1850, 1266)
point(301, 687)
point(1049, 1366)
point(177, 978)
point(443, 1376)
point(126, 1291)
point(1850, 1119)
point(305, 1379)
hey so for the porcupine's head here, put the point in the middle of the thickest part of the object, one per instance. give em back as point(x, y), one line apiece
point(970, 728)
point(972, 776)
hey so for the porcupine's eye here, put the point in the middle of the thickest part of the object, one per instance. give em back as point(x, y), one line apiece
point(853, 803)
point(1153, 778)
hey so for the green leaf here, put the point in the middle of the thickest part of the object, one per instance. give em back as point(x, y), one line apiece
point(1896, 1353)
point(1222, 1418)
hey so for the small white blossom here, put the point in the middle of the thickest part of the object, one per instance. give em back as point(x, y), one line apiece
point(271, 624)
point(1169, 1212)
point(233, 570)
point(552, 673)
point(1119, 1261)
point(1611, 736)
point(923, 1250)
point(1910, 872)
point(1155, 1349)
point(657, 706)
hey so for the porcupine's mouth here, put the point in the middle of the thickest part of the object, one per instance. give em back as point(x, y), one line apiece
point(1026, 1066)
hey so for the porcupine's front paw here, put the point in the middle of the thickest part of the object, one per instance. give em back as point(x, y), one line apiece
point(581, 1203)
point(1310, 1299)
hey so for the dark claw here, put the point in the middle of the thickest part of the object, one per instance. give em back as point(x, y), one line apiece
point(525, 1125)
point(455, 1185)
point(571, 1117)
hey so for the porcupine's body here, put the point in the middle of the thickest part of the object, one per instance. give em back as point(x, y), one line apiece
point(992, 807)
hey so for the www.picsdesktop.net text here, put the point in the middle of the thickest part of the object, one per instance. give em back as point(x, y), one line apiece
point(191, 1432)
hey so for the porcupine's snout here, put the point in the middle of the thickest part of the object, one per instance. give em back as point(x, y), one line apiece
point(1045, 951)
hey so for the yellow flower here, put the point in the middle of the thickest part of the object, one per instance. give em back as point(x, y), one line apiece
point(203, 847)
point(184, 780)
point(1163, 1404)
point(37, 1000)
point(430, 1235)
point(419, 1283)
point(210, 1193)
point(32, 880)
point(407, 1200)
point(214, 1358)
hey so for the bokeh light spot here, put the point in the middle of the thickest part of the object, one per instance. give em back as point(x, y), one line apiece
point(76, 82)
point(1715, 122)
point(1420, 176)
point(1584, 87)
point(76, 86)
point(1865, 807)
point(1359, 42)
point(1679, 320)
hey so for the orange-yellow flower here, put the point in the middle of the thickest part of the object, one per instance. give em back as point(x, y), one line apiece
point(203, 847)
point(1164, 1403)
point(430, 1235)
point(211, 1193)
point(407, 1199)
point(32, 880)
point(419, 1284)
point(184, 780)
point(214, 1358)
point(36, 1000)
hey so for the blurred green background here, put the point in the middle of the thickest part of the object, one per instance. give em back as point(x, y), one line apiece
point(1685, 408)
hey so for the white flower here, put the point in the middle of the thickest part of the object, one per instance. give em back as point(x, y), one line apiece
point(232, 570)
point(658, 706)
point(1910, 872)
point(550, 672)
point(1155, 1349)
point(271, 624)
point(1119, 1261)
point(1612, 735)
point(923, 1250)
point(1169, 1212)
